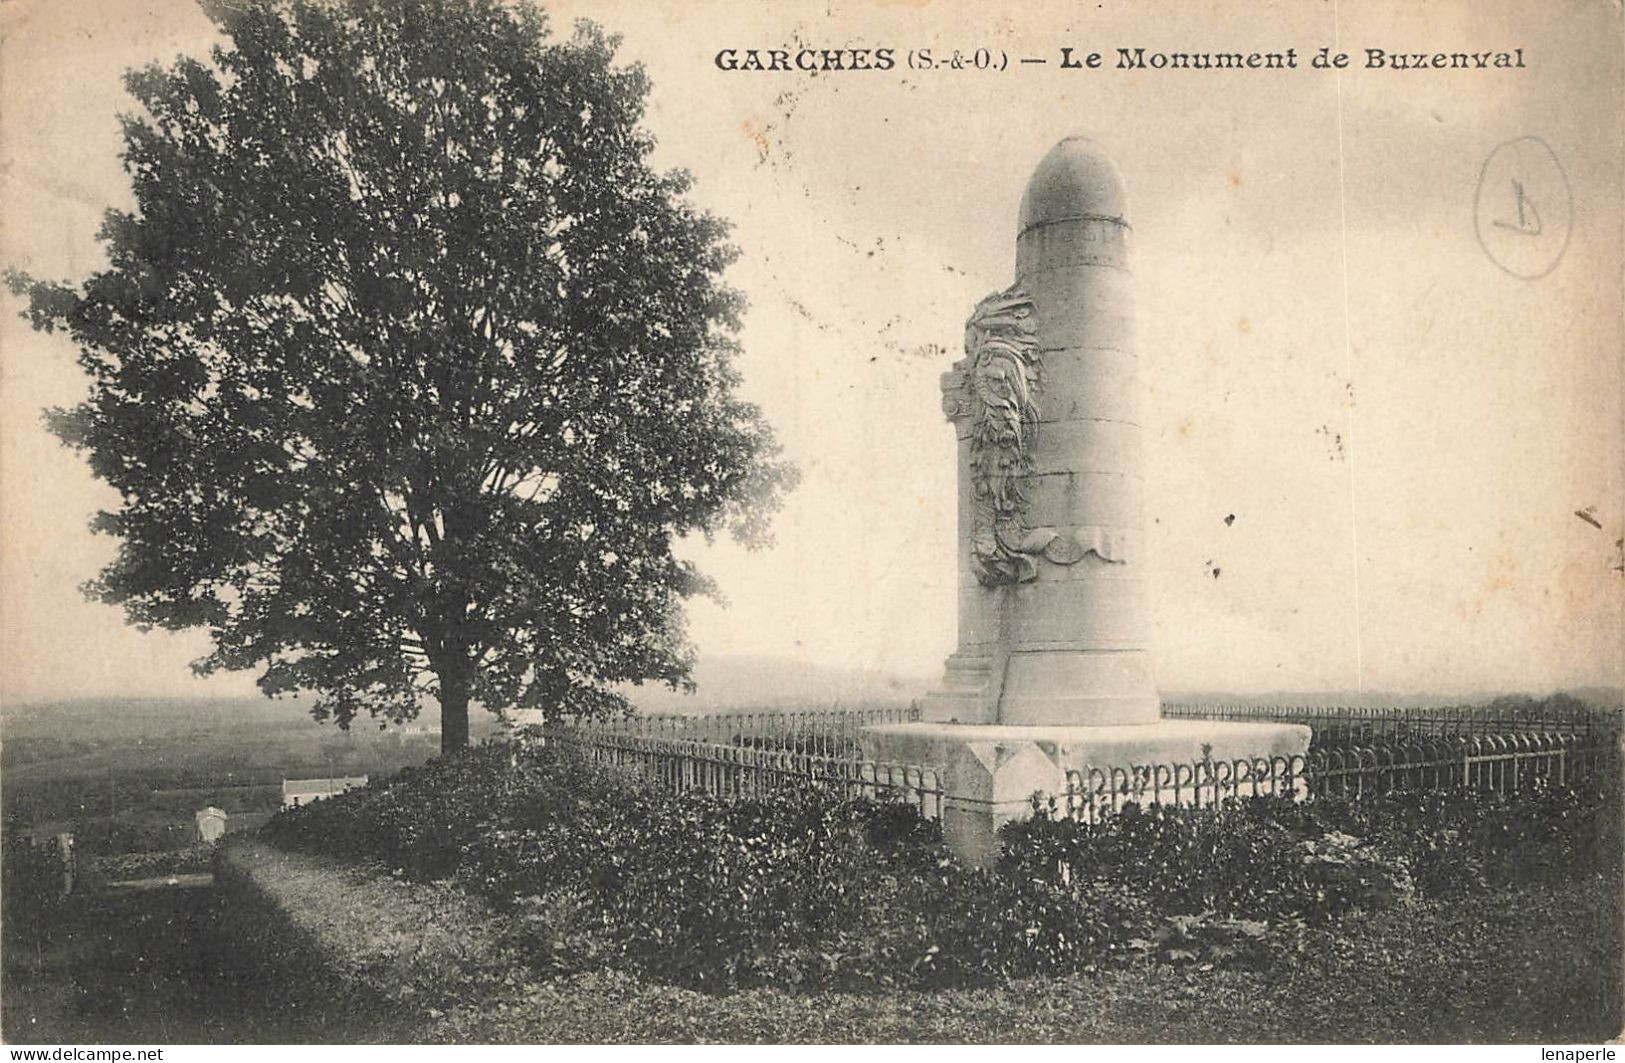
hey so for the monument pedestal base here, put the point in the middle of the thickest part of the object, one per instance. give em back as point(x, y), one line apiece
point(991, 771)
point(1041, 688)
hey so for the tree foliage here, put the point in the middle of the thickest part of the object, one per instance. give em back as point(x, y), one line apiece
point(409, 367)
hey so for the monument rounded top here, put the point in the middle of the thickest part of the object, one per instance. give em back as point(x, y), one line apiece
point(1075, 180)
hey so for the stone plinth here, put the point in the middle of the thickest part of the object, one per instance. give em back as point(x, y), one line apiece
point(992, 771)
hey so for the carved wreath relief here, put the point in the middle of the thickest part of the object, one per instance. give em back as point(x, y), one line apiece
point(996, 385)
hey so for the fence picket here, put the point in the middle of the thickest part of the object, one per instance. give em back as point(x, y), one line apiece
point(736, 771)
point(1361, 724)
point(1501, 764)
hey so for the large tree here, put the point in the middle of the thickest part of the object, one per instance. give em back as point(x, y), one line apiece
point(408, 366)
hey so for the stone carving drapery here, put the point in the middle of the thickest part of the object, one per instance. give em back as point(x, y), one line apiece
point(996, 385)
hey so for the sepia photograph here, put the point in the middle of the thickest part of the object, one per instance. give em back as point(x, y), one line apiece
point(856, 522)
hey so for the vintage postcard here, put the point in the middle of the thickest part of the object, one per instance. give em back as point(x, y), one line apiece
point(1031, 421)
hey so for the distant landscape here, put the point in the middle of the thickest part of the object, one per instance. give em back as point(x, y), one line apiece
point(127, 774)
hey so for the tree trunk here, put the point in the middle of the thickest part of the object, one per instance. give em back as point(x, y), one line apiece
point(453, 714)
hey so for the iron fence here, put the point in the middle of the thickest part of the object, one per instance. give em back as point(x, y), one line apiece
point(1495, 763)
point(1377, 751)
point(1351, 724)
point(831, 732)
point(722, 770)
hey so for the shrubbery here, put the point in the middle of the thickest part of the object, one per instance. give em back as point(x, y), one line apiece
point(195, 858)
point(804, 887)
point(1257, 859)
point(1460, 841)
point(800, 887)
point(1269, 856)
point(32, 874)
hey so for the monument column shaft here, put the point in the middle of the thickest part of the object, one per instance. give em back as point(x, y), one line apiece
point(1079, 646)
point(1063, 639)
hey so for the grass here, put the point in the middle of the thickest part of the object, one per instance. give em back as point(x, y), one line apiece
point(140, 966)
point(284, 950)
point(429, 963)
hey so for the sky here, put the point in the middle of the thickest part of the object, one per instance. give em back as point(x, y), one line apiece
point(1421, 450)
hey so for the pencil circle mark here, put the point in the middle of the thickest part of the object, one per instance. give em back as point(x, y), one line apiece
point(1523, 210)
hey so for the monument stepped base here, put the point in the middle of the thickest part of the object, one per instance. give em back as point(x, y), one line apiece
point(991, 771)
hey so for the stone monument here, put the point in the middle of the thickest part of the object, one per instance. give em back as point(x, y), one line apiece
point(211, 824)
point(1052, 670)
